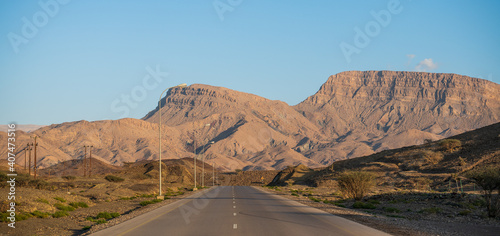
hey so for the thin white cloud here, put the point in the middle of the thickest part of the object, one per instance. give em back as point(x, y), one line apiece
point(426, 65)
point(410, 58)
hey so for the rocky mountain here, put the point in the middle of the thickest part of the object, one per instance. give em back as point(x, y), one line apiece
point(369, 111)
point(353, 114)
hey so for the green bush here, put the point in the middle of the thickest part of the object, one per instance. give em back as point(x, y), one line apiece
point(355, 184)
point(59, 214)
point(112, 178)
point(363, 205)
point(391, 210)
point(314, 199)
point(101, 221)
point(295, 194)
point(42, 200)
point(40, 214)
point(107, 215)
point(145, 203)
point(79, 204)
point(60, 199)
point(62, 207)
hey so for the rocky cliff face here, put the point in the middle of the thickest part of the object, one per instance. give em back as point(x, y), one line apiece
point(390, 101)
point(359, 109)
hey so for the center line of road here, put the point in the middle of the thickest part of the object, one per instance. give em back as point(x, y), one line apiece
point(235, 226)
point(234, 206)
point(234, 214)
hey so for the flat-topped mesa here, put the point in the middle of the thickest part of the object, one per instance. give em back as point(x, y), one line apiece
point(406, 86)
point(382, 99)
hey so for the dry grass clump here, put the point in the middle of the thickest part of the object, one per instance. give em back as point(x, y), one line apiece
point(431, 157)
point(355, 184)
point(450, 145)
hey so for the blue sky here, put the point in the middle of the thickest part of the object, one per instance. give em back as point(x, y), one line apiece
point(80, 60)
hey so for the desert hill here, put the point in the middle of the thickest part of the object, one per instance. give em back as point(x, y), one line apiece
point(353, 114)
point(435, 164)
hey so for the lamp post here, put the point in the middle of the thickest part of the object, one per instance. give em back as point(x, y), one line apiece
point(159, 129)
point(203, 163)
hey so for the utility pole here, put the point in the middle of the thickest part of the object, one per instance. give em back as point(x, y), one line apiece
point(85, 162)
point(29, 159)
point(26, 154)
point(90, 161)
point(36, 144)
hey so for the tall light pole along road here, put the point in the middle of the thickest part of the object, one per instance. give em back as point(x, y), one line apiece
point(203, 162)
point(159, 129)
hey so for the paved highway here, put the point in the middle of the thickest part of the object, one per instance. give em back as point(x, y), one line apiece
point(238, 210)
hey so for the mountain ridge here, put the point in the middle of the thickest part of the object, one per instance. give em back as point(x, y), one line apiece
point(353, 114)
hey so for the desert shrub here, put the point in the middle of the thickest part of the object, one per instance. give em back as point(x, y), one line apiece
point(488, 179)
point(355, 184)
point(432, 210)
point(79, 204)
point(391, 210)
point(314, 199)
point(145, 203)
point(450, 145)
point(39, 183)
point(62, 207)
point(87, 227)
point(431, 157)
point(107, 215)
point(295, 194)
point(60, 199)
point(464, 212)
point(40, 214)
point(101, 221)
point(363, 205)
point(59, 214)
point(69, 177)
point(42, 200)
point(112, 178)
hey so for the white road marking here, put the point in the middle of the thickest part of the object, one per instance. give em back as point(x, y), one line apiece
point(234, 202)
point(234, 214)
point(234, 206)
point(235, 226)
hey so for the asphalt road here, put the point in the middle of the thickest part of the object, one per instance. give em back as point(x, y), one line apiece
point(238, 210)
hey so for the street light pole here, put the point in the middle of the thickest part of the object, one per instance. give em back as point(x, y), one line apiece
point(159, 129)
point(203, 162)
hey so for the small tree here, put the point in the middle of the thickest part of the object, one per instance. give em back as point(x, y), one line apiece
point(488, 179)
point(355, 184)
